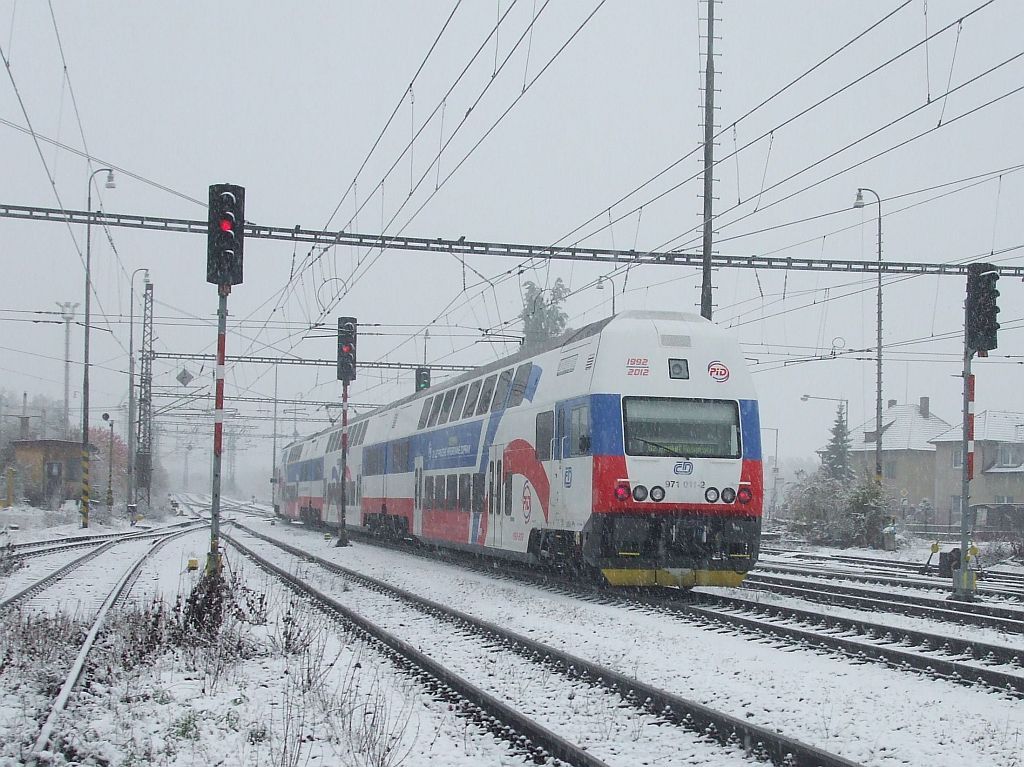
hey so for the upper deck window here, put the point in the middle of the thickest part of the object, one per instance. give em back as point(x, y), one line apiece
point(682, 428)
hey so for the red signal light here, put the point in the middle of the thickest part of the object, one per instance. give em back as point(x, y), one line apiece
point(227, 225)
point(346, 348)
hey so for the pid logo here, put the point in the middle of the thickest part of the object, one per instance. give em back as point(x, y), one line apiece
point(718, 371)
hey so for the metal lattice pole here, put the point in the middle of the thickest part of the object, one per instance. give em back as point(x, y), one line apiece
point(144, 427)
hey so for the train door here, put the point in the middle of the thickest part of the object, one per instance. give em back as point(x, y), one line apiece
point(573, 492)
point(417, 496)
point(495, 495)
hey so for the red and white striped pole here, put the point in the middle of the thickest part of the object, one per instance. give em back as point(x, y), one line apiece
point(963, 588)
point(213, 558)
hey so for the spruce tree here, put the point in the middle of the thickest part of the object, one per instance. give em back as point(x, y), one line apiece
point(835, 461)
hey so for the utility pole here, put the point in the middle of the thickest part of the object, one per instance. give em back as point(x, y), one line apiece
point(67, 314)
point(273, 465)
point(709, 162)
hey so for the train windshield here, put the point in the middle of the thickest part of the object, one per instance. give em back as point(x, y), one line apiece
point(682, 428)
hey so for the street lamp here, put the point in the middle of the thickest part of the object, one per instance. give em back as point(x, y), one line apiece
point(859, 203)
point(846, 407)
point(110, 463)
point(600, 286)
point(131, 501)
point(85, 358)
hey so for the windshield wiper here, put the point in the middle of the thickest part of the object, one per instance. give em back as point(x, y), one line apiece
point(663, 447)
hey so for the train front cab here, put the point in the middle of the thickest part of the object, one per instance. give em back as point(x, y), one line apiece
point(662, 516)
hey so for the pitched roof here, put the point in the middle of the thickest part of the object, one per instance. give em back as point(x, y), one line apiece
point(903, 428)
point(989, 426)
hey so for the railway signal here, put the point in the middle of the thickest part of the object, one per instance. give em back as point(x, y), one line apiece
point(422, 379)
point(981, 308)
point(225, 236)
point(347, 349)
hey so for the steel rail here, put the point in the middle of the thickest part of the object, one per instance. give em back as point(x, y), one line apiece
point(891, 578)
point(464, 247)
point(948, 670)
point(726, 729)
point(544, 742)
point(970, 613)
point(78, 667)
point(48, 580)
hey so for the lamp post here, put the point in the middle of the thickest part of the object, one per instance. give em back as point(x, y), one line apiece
point(85, 358)
point(110, 462)
point(131, 501)
point(600, 286)
point(859, 203)
point(845, 402)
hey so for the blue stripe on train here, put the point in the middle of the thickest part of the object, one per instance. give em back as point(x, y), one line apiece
point(750, 428)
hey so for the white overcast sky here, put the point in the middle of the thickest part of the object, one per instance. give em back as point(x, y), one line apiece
point(287, 99)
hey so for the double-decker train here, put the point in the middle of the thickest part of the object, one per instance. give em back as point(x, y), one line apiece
point(629, 449)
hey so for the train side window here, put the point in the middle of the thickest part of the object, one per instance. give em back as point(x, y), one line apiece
point(416, 488)
point(452, 494)
point(471, 398)
point(424, 413)
point(439, 492)
point(460, 400)
point(359, 488)
point(485, 395)
point(435, 410)
point(446, 407)
point(501, 392)
point(579, 431)
point(399, 457)
point(361, 426)
point(464, 492)
point(428, 492)
point(518, 392)
point(478, 493)
point(545, 433)
point(508, 496)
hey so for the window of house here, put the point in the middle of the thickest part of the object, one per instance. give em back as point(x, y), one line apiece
point(1004, 499)
point(545, 433)
point(1005, 456)
point(889, 469)
point(954, 504)
point(958, 457)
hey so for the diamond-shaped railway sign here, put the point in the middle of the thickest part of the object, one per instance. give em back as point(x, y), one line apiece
point(184, 377)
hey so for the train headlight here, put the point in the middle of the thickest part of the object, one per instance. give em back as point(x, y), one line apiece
point(639, 493)
point(622, 493)
point(744, 495)
point(657, 493)
point(728, 495)
point(711, 495)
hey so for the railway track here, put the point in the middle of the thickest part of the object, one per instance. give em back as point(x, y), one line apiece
point(28, 549)
point(997, 617)
point(482, 647)
point(108, 587)
point(997, 667)
point(875, 570)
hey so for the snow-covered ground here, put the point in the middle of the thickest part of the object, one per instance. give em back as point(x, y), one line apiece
point(296, 690)
point(865, 712)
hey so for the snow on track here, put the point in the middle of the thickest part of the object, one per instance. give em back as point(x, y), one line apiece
point(870, 714)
